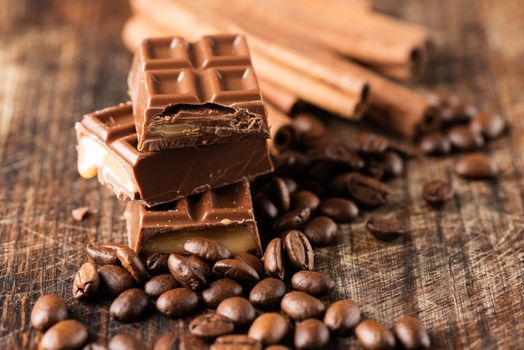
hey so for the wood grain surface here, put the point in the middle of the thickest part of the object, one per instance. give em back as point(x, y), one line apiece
point(460, 270)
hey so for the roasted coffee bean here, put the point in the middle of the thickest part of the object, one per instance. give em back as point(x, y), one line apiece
point(290, 163)
point(66, 334)
point(393, 164)
point(160, 284)
point(273, 259)
point(363, 189)
point(236, 342)
point(323, 171)
point(373, 335)
point(339, 209)
point(124, 341)
point(312, 282)
point(321, 231)
point(311, 334)
point(464, 138)
point(207, 249)
point(342, 317)
point(95, 346)
point(201, 265)
point(48, 310)
point(293, 219)
point(131, 262)
point(269, 328)
point(385, 229)
point(299, 251)
point(299, 306)
point(267, 293)
point(156, 263)
point(313, 186)
point(86, 281)
point(291, 184)
point(476, 166)
point(211, 325)
point(375, 168)
point(369, 143)
point(265, 210)
point(437, 192)
point(252, 261)
point(185, 273)
point(114, 279)
point(491, 125)
point(435, 144)
point(335, 153)
point(129, 305)
point(411, 333)
point(405, 150)
point(305, 199)
point(177, 302)
point(172, 341)
point(219, 290)
point(101, 255)
point(237, 309)
point(236, 270)
point(457, 111)
point(279, 193)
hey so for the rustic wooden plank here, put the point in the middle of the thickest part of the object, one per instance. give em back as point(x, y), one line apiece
point(460, 271)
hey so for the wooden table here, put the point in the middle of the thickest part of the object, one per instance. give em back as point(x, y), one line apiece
point(460, 270)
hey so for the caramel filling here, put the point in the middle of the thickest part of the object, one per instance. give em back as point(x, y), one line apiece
point(165, 130)
point(237, 238)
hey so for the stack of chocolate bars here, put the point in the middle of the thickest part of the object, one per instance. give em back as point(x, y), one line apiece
point(183, 150)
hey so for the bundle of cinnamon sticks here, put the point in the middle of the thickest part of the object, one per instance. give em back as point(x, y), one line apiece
point(334, 54)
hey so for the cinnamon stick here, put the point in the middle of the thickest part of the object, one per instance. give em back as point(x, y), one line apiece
point(338, 93)
point(283, 133)
point(284, 100)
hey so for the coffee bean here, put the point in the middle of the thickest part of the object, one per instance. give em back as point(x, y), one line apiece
point(342, 317)
point(48, 310)
point(172, 341)
point(160, 284)
point(369, 143)
point(66, 334)
point(95, 346)
point(321, 231)
point(437, 192)
point(312, 283)
point(339, 209)
point(269, 328)
point(267, 293)
point(393, 164)
point(236, 270)
point(373, 335)
point(101, 255)
point(177, 302)
point(491, 125)
point(313, 186)
point(252, 261)
point(323, 171)
point(86, 281)
point(411, 333)
point(290, 163)
point(265, 210)
point(129, 305)
point(279, 194)
point(185, 273)
point(299, 251)
point(114, 279)
point(435, 144)
point(202, 266)
point(291, 184)
point(273, 259)
point(385, 229)
point(305, 199)
point(464, 138)
point(219, 290)
point(363, 189)
point(311, 334)
point(405, 150)
point(131, 262)
point(237, 309)
point(299, 306)
point(236, 342)
point(293, 219)
point(124, 341)
point(457, 112)
point(375, 167)
point(207, 249)
point(156, 263)
point(210, 325)
point(476, 166)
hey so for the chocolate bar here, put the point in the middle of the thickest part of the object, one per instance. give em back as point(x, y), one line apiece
point(107, 146)
point(191, 94)
point(224, 214)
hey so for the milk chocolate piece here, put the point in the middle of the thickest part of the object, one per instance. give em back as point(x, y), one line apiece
point(107, 146)
point(224, 214)
point(192, 94)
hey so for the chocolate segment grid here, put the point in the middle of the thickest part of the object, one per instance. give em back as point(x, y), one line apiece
point(169, 76)
point(217, 209)
point(168, 175)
